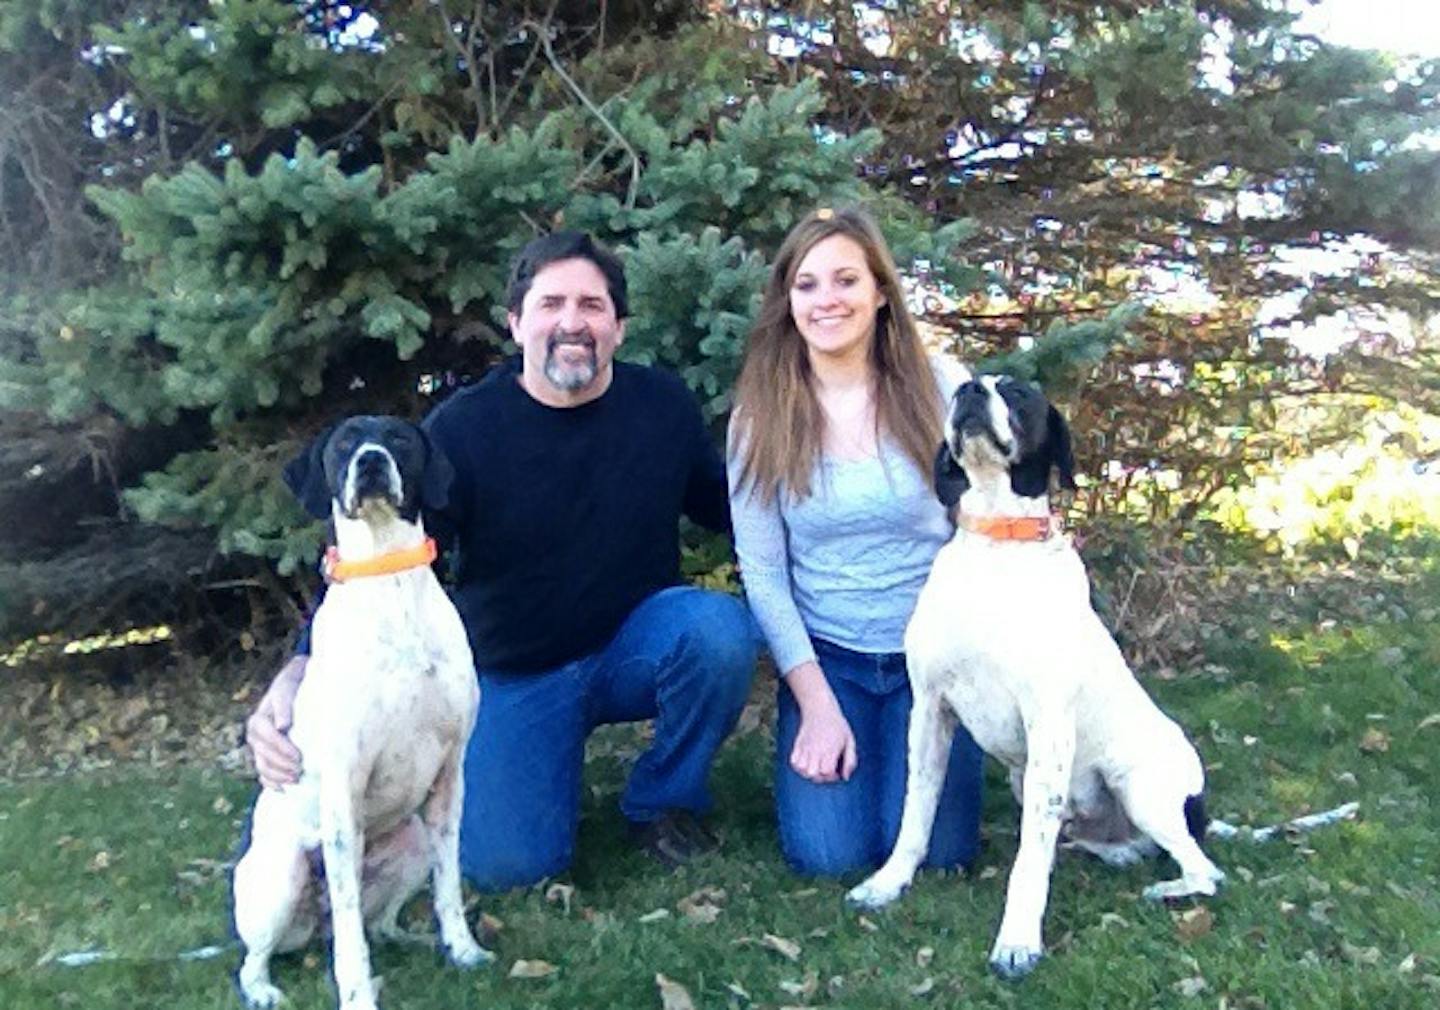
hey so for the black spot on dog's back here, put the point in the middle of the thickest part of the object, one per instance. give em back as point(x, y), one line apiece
point(1195, 819)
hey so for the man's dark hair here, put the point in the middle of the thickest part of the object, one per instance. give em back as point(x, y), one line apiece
point(539, 253)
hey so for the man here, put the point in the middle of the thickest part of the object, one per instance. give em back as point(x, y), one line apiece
point(572, 471)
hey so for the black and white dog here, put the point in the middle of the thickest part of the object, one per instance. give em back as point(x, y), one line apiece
point(1004, 638)
point(382, 716)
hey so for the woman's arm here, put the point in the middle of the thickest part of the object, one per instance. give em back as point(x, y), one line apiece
point(824, 748)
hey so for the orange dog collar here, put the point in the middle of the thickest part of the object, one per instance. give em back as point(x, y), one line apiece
point(1032, 528)
point(336, 570)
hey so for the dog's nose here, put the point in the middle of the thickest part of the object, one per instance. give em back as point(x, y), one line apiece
point(370, 461)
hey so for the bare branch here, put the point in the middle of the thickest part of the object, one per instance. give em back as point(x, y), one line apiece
point(595, 111)
point(524, 71)
point(466, 55)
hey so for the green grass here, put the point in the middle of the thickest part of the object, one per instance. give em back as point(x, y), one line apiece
point(1347, 917)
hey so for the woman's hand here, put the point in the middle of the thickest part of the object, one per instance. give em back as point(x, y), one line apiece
point(824, 748)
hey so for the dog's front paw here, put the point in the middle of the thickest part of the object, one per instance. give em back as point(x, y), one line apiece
point(873, 893)
point(261, 995)
point(467, 953)
point(1013, 962)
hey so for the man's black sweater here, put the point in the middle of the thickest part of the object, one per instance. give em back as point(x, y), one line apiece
point(561, 520)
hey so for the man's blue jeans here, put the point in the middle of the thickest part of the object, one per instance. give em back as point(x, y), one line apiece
point(834, 828)
point(684, 657)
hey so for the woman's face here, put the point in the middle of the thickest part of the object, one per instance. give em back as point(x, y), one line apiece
point(834, 299)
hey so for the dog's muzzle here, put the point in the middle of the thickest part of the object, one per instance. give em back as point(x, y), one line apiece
point(371, 476)
point(973, 424)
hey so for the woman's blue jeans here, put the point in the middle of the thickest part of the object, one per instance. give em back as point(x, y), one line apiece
point(684, 657)
point(835, 828)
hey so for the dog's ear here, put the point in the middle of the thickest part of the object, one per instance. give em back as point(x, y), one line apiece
point(1057, 447)
point(435, 481)
point(305, 476)
point(950, 479)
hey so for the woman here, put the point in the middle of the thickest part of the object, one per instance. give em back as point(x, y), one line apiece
point(837, 416)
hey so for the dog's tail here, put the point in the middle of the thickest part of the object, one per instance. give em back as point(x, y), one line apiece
point(1196, 820)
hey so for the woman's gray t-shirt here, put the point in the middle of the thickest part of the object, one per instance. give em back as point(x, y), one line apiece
point(845, 564)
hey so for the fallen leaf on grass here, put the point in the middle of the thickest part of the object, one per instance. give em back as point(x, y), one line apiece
point(560, 894)
point(1406, 966)
point(1194, 923)
point(788, 948)
point(488, 927)
point(922, 988)
point(1433, 719)
point(924, 956)
point(1375, 741)
point(656, 915)
point(702, 906)
point(600, 920)
point(532, 969)
point(702, 915)
point(673, 995)
point(866, 924)
point(100, 862)
point(1190, 986)
point(1360, 955)
point(1108, 919)
point(739, 990)
point(805, 988)
point(751, 716)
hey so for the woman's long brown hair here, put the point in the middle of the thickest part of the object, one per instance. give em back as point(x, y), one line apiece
point(778, 424)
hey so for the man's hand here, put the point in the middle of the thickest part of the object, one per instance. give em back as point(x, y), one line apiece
point(824, 748)
point(277, 760)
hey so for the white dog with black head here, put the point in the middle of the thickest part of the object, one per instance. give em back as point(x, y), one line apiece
point(382, 716)
point(1004, 638)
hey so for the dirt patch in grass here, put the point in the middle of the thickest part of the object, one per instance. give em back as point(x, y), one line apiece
point(81, 715)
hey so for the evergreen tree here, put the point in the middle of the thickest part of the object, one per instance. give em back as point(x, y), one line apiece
point(272, 213)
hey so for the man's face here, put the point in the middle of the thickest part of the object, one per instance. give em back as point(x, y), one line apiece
point(567, 329)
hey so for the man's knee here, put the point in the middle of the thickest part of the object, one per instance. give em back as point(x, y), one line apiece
point(720, 634)
point(496, 868)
